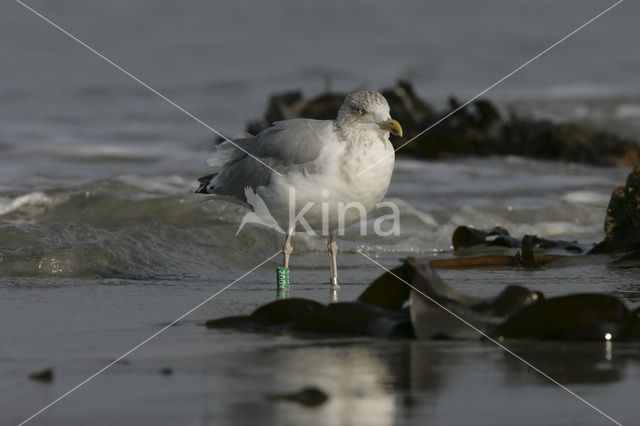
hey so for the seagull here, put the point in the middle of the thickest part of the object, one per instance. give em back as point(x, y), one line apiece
point(311, 174)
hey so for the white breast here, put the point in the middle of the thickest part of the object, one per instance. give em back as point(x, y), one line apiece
point(365, 183)
point(343, 193)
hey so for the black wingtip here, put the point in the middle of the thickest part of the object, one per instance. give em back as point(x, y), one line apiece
point(204, 183)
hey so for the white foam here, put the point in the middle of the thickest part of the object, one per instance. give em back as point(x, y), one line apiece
point(581, 90)
point(627, 111)
point(37, 198)
point(585, 197)
point(407, 208)
point(83, 151)
point(172, 184)
point(553, 229)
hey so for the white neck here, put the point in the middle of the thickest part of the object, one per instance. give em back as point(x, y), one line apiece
point(362, 137)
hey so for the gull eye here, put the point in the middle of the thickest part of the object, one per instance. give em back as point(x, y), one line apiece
point(358, 109)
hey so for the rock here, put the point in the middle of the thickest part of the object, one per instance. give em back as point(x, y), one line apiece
point(309, 397)
point(323, 107)
point(622, 222)
point(281, 107)
point(379, 311)
point(467, 237)
point(517, 313)
point(276, 316)
point(408, 108)
point(166, 371)
point(477, 129)
point(632, 196)
point(575, 317)
point(44, 376)
point(290, 105)
point(436, 310)
point(570, 142)
point(304, 316)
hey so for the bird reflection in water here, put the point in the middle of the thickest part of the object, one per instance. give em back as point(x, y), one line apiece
point(333, 295)
point(286, 294)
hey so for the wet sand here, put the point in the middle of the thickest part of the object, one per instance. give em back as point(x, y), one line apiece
point(225, 376)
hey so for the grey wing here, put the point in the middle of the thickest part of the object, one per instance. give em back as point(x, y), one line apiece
point(287, 146)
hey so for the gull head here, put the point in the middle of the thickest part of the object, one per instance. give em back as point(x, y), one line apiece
point(367, 112)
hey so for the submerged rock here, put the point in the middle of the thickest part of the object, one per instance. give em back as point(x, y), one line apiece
point(477, 129)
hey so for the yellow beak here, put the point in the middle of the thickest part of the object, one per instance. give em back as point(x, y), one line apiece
point(392, 126)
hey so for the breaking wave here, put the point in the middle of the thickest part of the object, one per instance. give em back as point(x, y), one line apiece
point(126, 227)
point(144, 227)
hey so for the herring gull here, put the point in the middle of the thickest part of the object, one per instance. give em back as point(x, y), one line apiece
point(305, 174)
